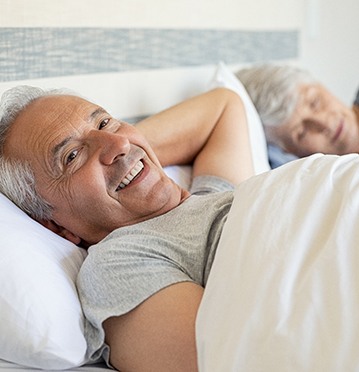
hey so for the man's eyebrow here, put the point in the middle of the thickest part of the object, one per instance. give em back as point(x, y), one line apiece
point(96, 113)
point(57, 150)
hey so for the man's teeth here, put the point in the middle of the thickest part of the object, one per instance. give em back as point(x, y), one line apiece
point(131, 175)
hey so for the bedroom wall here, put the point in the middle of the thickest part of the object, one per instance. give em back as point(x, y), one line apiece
point(257, 14)
point(330, 45)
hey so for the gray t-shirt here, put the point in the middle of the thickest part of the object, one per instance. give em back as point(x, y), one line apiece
point(134, 262)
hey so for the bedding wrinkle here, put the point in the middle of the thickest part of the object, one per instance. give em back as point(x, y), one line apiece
point(305, 263)
point(284, 289)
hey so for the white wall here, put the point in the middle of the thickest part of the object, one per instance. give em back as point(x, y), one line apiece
point(238, 14)
point(330, 44)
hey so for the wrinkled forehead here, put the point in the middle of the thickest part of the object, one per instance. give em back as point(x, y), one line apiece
point(44, 120)
point(311, 90)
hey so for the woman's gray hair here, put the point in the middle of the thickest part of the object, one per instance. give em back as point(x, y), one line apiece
point(17, 180)
point(274, 90)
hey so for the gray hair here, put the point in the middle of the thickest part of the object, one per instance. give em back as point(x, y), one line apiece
point(17, 180)
point(274, 90)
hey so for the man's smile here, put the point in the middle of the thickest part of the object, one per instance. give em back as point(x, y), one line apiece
point(132, 174)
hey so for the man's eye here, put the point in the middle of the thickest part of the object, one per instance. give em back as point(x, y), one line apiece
point(103, 123)
point(71, 156)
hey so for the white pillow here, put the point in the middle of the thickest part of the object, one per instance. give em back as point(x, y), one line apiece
point(41, 317)
point(224, 77)
point(181, 174)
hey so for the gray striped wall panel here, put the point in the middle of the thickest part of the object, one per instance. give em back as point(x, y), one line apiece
point(27, 53)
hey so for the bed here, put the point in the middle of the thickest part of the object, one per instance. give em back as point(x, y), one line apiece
point(146, 70)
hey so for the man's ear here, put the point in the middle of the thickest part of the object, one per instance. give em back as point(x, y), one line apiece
point(59, 230)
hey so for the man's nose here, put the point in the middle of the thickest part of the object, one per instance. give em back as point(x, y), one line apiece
point(109, 146)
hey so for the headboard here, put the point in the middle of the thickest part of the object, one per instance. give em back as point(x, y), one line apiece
point(141, 57)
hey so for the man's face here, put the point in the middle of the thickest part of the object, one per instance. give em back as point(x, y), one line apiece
point(97, 173)
point(319, 123)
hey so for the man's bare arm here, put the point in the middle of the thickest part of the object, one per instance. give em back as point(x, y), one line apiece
point(209, 130)
point(158, 335)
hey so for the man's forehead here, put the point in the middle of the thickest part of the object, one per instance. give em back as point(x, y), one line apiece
point(49, 108)
point(52, 111)
point(47, 115)
point(63, 105)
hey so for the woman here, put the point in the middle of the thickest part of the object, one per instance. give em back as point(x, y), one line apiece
point(300, 116)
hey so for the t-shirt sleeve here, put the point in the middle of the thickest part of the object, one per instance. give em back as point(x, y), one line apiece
point(117, 276)
point(209, 184)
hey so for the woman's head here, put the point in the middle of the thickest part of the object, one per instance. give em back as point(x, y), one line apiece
point(273, 90)
point(299, 114)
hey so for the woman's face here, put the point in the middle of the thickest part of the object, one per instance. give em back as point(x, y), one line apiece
point(320, 123)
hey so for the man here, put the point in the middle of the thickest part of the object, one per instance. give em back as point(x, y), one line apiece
point(102, 184)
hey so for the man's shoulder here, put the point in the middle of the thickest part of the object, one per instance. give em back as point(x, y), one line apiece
point(207, 184)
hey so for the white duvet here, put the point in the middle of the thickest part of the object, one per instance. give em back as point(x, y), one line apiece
point(283, 293)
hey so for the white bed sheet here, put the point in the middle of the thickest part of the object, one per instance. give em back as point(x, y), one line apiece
point(283, 293)
point(7, 366)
